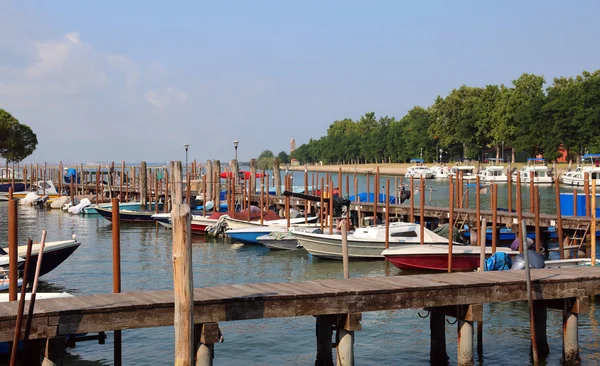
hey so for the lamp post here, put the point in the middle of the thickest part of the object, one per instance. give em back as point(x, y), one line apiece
point(235, 145)
point(441, 151)
point(186, 158)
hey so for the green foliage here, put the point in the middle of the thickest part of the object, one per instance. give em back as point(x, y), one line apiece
point(17, 141)
point(265, 160)
point(470, 120)
point(284, 157)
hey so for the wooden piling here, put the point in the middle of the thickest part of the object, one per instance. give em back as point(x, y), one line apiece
point(277, 176)
point(375, 196)
point(345, 346)
point(208, 175)
point(536, 212)
point(465, 342)
point(422, 211)
point(345, 264)
point(306, 202)
point(575, 202)
point(482, 240)
point(510, 199)
point(437, 327)
point(252, 187)
point(477, 207)
point(570, 352)
point(534, 350)
point(494, 205)
point(13, 243)
point(322, 204)
point(330, 208)
point(540, 313)
point(262, 196)
point(593, 224)
point(450, 222)
point(144, 186)
point(182, 273)
point(519, 214)
point(387, 215)
point(324, 332)
point(586, 192)
point(412, 199)
point(531, 193)
point(116, 244)
point(558, 216)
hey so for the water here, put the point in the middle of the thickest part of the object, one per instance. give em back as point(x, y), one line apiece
point(386, 338)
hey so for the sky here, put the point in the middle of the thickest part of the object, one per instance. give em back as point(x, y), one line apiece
point(136, 80)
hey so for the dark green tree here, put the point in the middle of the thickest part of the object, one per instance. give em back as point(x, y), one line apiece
point(17, 140)
point(265, 160)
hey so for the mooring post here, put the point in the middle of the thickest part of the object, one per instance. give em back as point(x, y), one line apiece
point(208, 177)
point(116, 241)
point(54, 350)
point(182, 272)
point(277, 176)
point(465, 342)
point(206, 336)
point(217, 185)
point(570, 354)
point(324, 330)
point(540, 316)
point(13, 243)
point(346, 326)
point(437, 326)
point(144, 186)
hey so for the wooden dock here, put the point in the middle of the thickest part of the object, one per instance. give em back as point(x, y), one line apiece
point(106, 312)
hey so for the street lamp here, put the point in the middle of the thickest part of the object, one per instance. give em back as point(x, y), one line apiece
point(441, 151)
point(186, 158)
point(235, 145)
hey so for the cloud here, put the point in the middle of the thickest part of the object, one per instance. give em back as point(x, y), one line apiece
point(162, 98)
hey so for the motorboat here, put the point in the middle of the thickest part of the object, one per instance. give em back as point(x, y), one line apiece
point(418, 171)
point(591, 166)
point(236, 223)
point(434, 257)
point(366, 242)
point(439, 172)
point(129, 215)
point(536, 168)
point(493, 173)
point(55, 252)
point(467, 172)
point(40, 188)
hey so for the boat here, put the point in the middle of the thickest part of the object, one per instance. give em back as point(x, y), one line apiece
point(131, 206)
point(541, 173)
point(197, 226)
point(242, 174)
point(236, 223)
point(55, 252)
point(366, 242)
point(493, 173)
point(9, 174)
point(5, 282)
point(439, 172)
point(249, 235)
point(467, 172)
point(4, 187)
point(418, 171)
point(576, 177)
point(434, 257)
point(40, 188)
point(129, 215)
point(285, 240)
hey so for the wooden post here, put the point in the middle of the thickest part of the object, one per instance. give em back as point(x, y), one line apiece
point(345, 249)
point(509, 176)
point(188, 186)
point(345, 346)
point(494, 217)
point(209, 187)
point(53, 351)
point(559, 217)
point(387, 215)
point(182, 273)
point(347, 185)
point(167, 192)
point(465, 342)
point(340, 183)
point(570, 352)
point(451, 223)
point(13, 246)
point(531, 193)
point(540, 313)
point(437, 327)
point(116, 241)
point(412, 199)
point(482, 240)
point(477, 207)
point(324, 345)
point(144, 186)
point(252, 183)
point(593, 225)
point(287, 202)
point(375, 196)
point(422, 211)
point(520, 215)
point(536, 211)
point(330, 207)
point(529, 296)
point(575, 201)
point(306, 202)
point(122, 179)
point(217, 185)
point(262, 194)
point(322, 204)
point(586, 191)
point(277, 176)
point(60, 179)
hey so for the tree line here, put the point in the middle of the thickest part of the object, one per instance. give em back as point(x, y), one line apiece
point(523, 117)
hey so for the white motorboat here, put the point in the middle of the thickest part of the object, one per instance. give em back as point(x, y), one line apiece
point(234, 223)
point(366, 242)
point(493, 173)
point(418, 171)
point(589, 166)
point(536, 168)
point(466, 171)
point(439, 171)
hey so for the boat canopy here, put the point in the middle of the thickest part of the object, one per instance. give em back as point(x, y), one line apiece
point(415, 160)
point(591, 156)
point(536, 159)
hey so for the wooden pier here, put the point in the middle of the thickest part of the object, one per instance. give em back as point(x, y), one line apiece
point(348, 298)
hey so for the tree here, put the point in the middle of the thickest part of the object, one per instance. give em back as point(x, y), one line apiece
point(265, 160)
point(284, 158)
point(17, 141)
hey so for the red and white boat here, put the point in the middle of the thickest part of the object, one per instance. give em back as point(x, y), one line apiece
point(198, 224)
point(434, 257)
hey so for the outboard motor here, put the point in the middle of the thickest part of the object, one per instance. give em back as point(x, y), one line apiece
point(535, 260)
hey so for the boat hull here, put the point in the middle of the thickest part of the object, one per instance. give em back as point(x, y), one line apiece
point(128, 216)
point(274, 243)
point(435, 262)
point(332, 247)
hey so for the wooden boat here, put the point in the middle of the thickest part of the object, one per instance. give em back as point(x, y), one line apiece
point(365, 243)
point(55, 252)
point(129, 215)
point(434, 257)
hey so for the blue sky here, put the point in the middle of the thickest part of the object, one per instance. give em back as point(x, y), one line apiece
point(135, 80)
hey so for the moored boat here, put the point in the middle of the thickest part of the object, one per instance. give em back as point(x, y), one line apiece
point(536, 168)
point(55, 252)
point(129, 215)
point(434, 257)
point(493, 173)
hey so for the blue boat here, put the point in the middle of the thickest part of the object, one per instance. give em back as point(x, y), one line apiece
point(249, 235)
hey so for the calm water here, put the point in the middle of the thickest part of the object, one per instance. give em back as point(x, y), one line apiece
point(387, 338)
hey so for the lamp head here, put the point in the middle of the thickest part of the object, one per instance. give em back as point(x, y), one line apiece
point(235, 143)
point(186, 146)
